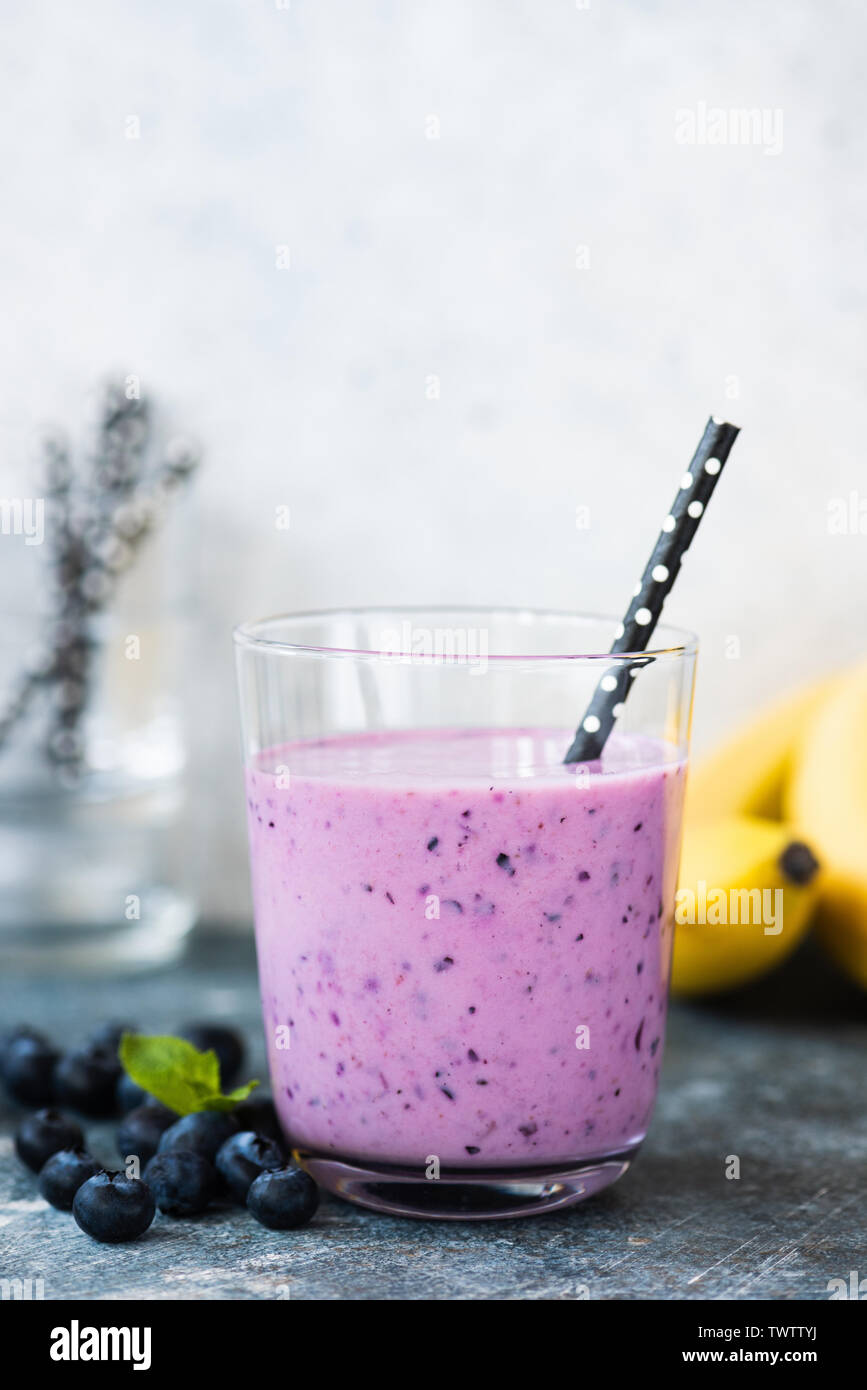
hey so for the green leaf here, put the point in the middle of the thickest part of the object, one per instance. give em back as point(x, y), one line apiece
point(233, 1098)
point(178, 1074)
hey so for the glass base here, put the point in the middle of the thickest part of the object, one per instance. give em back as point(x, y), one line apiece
point(461, 1194)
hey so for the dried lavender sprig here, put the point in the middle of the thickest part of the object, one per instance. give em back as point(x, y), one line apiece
point(17, 702)
point(109, 549)
point(56, 481)
point(98, 525)
point(57, 471)
point(122, 439)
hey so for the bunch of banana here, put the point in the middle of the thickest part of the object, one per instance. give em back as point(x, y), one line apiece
point(775, 837)
point(826, 798)
point(747, 891)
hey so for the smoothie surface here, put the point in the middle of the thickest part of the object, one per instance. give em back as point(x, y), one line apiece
point(448, 755)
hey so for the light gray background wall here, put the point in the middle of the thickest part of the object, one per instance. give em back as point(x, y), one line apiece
point(727, 278)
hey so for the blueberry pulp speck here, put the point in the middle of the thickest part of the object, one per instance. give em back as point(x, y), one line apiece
point(87, 1081)
point(42, 1134)
point(258, 1113)
point(140, 1131)
point(28, 1070)
point(204, 1132)
point(243, 1157)
point(283, 1198)
point(113, 1208)
point(226, 1042)
point(183, 1183)
point(63, 1174)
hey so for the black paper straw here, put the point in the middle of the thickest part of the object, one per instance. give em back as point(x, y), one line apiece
point(642, 615)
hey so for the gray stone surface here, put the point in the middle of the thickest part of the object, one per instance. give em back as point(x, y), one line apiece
point(774, 1075)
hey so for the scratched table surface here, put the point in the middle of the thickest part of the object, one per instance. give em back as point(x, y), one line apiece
point(774, 1076)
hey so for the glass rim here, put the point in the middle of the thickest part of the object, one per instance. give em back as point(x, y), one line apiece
point(250, 636)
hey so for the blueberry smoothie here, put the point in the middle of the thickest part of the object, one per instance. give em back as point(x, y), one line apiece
point(463, 944)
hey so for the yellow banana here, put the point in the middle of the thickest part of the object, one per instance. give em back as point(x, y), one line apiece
point(746, 774)
point(746, 892)
point(826, 798)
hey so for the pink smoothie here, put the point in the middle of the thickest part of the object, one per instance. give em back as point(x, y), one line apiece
point(439, 915)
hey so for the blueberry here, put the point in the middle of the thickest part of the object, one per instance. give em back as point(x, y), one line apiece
point(226, 1042)
point(113, 1208)
point(42, 1134)
point(258, 1113)
point(11, 1035)
point(108, 1035)
point(28, 1070)
point(129, 1094)
point(87, 1081)
point(203, 1132)
point(182, 1182)
point(243, 1157)
point(140, 1130)
point(62, 1175)
point(283, 1198)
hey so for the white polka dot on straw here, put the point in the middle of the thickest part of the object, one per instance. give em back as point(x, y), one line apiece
point(660, 573)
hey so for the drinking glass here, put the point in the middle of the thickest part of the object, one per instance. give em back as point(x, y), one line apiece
point(463, 943)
